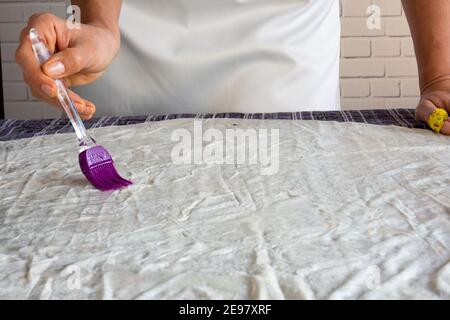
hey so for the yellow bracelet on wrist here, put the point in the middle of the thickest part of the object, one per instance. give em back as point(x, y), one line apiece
point(437, 119)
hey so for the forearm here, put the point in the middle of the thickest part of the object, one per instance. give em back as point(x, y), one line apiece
point(429, 22)
point(101, 13)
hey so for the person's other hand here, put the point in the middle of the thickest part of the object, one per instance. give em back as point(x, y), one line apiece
point(80, 57)
point(435, 96)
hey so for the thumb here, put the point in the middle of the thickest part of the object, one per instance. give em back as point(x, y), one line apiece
point(65, 63)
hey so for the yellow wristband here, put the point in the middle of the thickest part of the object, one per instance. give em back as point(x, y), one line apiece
point(437, 119)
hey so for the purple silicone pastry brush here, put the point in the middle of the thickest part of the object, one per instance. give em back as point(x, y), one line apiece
point(95, 162)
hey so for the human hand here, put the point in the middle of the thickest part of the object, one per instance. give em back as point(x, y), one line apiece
point(80, 57)
point(435, 96)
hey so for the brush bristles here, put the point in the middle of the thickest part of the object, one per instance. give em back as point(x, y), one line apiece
point(97, 165)
point(105, 177)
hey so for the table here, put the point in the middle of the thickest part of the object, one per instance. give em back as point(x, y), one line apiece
point(17, 129)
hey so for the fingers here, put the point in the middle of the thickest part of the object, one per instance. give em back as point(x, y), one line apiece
point(52, 29)
point(85, 108)
point(42, 86)
point(33, 74)
point(446, 128)
point(424, 110)
point(65, 63)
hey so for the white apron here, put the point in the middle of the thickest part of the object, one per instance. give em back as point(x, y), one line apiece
point(189, 56)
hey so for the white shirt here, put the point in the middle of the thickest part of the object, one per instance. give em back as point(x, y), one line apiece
point(188, 56)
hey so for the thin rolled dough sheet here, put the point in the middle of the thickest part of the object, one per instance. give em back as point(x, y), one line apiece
point(355, 212)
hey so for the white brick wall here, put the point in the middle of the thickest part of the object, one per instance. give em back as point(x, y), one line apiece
point(378, 67)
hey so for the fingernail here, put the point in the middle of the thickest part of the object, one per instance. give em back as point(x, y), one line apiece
point(47, 90)
point(55, 69)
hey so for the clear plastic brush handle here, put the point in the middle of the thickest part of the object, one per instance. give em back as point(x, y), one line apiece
point(43, 54)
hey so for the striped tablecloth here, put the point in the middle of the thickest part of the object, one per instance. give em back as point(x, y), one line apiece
point(19, 129)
